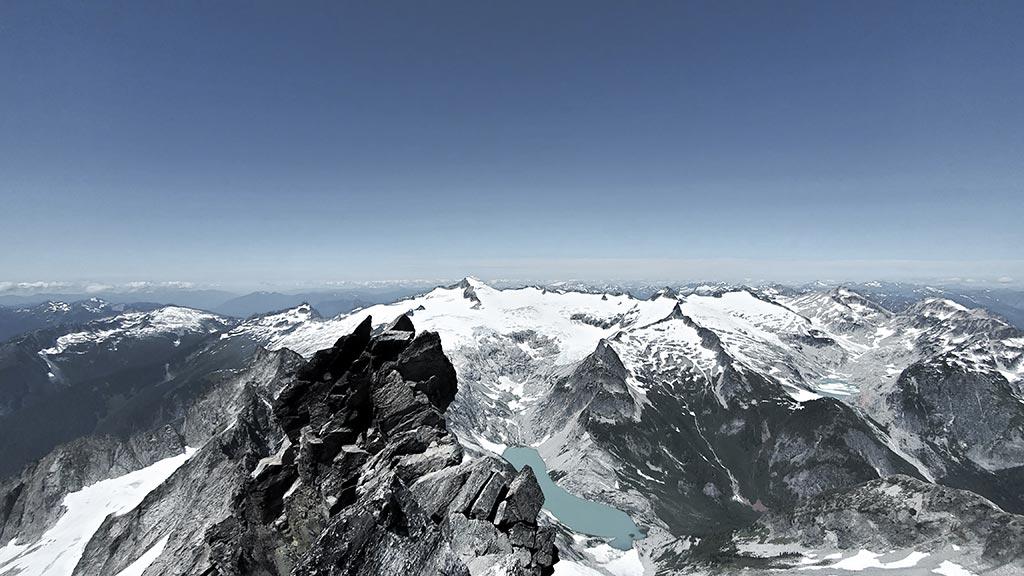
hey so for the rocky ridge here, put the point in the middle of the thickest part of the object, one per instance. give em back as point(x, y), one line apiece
point(368, 480)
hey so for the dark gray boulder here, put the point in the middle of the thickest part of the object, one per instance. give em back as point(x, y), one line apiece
point(523, 501)
point(401, 324)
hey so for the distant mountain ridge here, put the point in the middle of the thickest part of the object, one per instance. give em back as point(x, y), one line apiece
point(1008, 302)
point(14, 321)
point(328, 302)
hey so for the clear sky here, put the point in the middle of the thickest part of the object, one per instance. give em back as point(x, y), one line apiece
point(252, 141)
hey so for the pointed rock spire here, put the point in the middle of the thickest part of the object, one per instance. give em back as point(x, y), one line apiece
point(402, 324)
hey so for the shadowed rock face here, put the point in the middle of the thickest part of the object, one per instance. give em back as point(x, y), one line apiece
point(710, 467)
point(369, 481)
point(971, 426)
point(99, 387)
point(893, 513)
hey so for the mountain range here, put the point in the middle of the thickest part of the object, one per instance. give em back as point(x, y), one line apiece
point(876, 428)
point(329, 301)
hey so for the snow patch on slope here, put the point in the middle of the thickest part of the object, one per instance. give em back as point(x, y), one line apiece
point(865, 559)
point(139, 566)
point(603, 556)
point(61, 547)
point(948, 568)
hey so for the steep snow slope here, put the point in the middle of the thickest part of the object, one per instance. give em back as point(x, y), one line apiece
point(61, 547)
point(138, 567)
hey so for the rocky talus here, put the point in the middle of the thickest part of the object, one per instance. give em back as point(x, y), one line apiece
point(901, 512)
point(368, 480)
point(896, 513)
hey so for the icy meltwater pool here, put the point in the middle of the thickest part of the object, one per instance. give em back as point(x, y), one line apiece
point(581, 515)
point(835, 388)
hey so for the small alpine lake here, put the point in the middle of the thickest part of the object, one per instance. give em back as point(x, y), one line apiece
point(583, 516)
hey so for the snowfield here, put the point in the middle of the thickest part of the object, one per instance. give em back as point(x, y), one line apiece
point(61, 547)
point(164, 321)
point(833, 343)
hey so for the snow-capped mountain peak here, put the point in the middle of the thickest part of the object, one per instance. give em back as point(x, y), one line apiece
point(168, 321)
point(665, 292)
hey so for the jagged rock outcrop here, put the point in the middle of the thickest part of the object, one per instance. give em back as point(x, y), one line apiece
point(180, 510)
point(368, 480)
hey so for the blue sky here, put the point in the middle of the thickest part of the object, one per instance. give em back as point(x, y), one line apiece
point(229, 142)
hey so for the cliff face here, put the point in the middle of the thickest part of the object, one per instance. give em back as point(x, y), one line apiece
point(368, 480)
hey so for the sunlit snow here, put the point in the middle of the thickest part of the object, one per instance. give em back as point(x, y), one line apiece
point(60, 548)
point(166, 320)
point(865, 559)
point(948, 568)
point(139, 566)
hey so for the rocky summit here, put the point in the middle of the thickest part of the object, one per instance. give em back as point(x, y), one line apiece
point(368, 480)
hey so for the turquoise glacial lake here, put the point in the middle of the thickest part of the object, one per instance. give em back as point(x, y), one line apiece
point(583, 516)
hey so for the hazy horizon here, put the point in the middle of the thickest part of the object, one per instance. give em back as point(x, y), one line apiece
point(93, 286)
